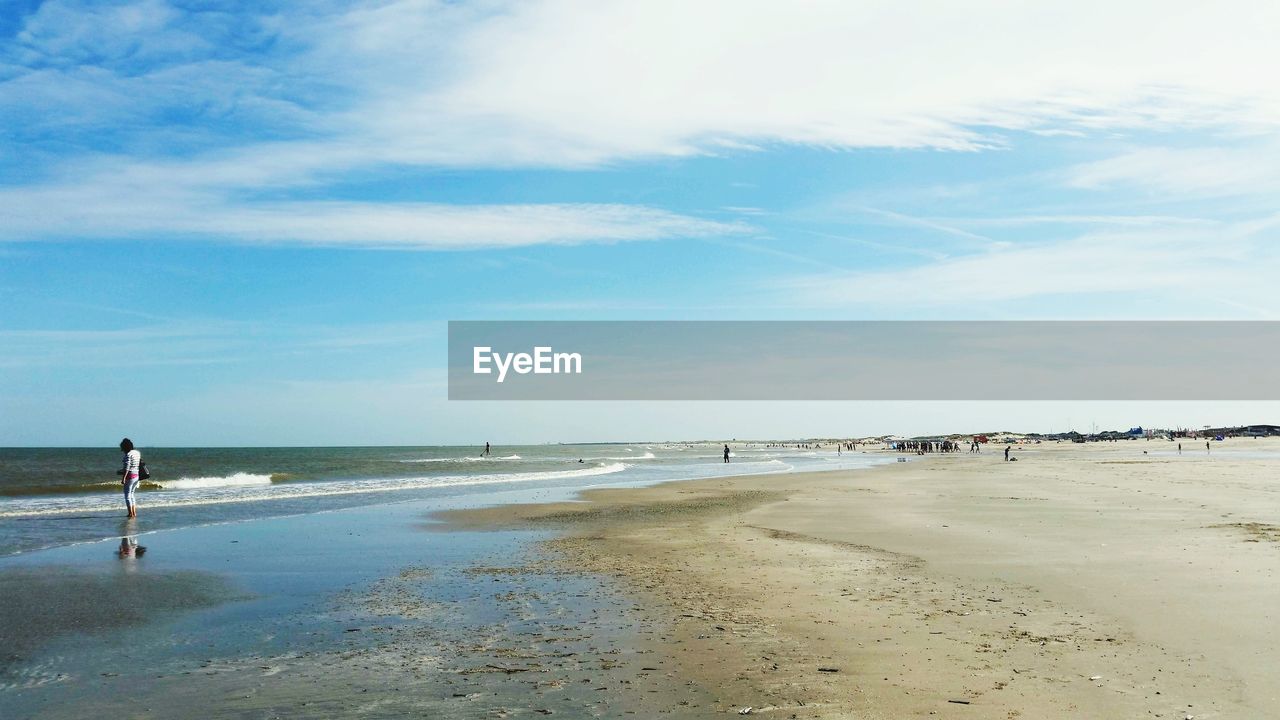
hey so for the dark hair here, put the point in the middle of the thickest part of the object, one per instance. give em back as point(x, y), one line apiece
point(126, 444)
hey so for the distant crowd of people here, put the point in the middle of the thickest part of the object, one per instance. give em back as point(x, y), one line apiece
point(921, 447)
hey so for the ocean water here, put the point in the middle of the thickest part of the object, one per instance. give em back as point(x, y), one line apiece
point(58, 496)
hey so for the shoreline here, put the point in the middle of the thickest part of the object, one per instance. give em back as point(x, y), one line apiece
point(235, 485)
point(960, 584)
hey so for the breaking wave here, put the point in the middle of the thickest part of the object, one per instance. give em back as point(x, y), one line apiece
point(246, 487)
point(240, 479)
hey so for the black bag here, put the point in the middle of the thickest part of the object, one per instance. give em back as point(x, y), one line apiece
point(143, 473)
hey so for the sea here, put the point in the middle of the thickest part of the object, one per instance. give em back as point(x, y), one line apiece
point(51, 497)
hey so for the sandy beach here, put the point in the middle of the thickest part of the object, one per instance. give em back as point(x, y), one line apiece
point(1101, 580)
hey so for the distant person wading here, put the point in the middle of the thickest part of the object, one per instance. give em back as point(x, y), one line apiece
point(726, 453)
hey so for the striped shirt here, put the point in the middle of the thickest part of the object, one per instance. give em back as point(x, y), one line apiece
point(132, 459)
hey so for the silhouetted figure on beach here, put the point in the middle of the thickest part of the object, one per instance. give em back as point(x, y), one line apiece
point(1007, 448)
point(726, 453)
point(1206, 447)
point(1179, 448)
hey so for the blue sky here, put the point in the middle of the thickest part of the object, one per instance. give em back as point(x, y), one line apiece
point(230, 223)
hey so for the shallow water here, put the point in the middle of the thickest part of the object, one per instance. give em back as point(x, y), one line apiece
point(319, 607)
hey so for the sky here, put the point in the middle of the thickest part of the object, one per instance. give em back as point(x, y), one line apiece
point(248, 223)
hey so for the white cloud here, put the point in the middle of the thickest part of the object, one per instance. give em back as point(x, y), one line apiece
point(604, 80)
point(1224, 272)
point(1201, 171)
point(125, 210)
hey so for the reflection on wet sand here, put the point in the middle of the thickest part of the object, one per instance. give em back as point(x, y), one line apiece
point(129, 548)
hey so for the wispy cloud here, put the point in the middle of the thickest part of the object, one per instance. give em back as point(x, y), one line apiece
point(1176, 273)
point(882, 247)
point(1200, 171)
point(104, 211)
point(164, 343)
point(1117, 220)
point(202, 342)
point(931, 224)
point(790, 257)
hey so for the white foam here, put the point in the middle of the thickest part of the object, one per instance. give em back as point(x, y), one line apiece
point(646, 456)
point(239, 479)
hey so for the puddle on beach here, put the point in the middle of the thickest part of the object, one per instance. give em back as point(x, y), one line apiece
point(506, 635)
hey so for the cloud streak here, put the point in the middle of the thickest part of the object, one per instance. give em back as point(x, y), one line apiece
point(1177, 271)
point(106, 212)
point(1197, 171)
point(202, 342)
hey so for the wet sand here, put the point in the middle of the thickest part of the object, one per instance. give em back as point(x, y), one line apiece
point(1079, 581)
point(352, 614)
point(43, 605)
point(521, 640)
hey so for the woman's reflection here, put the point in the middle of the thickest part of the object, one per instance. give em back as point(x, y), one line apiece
point(129, 547)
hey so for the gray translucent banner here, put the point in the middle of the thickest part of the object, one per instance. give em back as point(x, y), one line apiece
point(873, 360)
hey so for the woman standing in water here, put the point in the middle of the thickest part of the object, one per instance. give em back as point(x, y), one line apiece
point(129, 474)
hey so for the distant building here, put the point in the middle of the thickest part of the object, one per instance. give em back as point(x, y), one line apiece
point(1243, 431)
